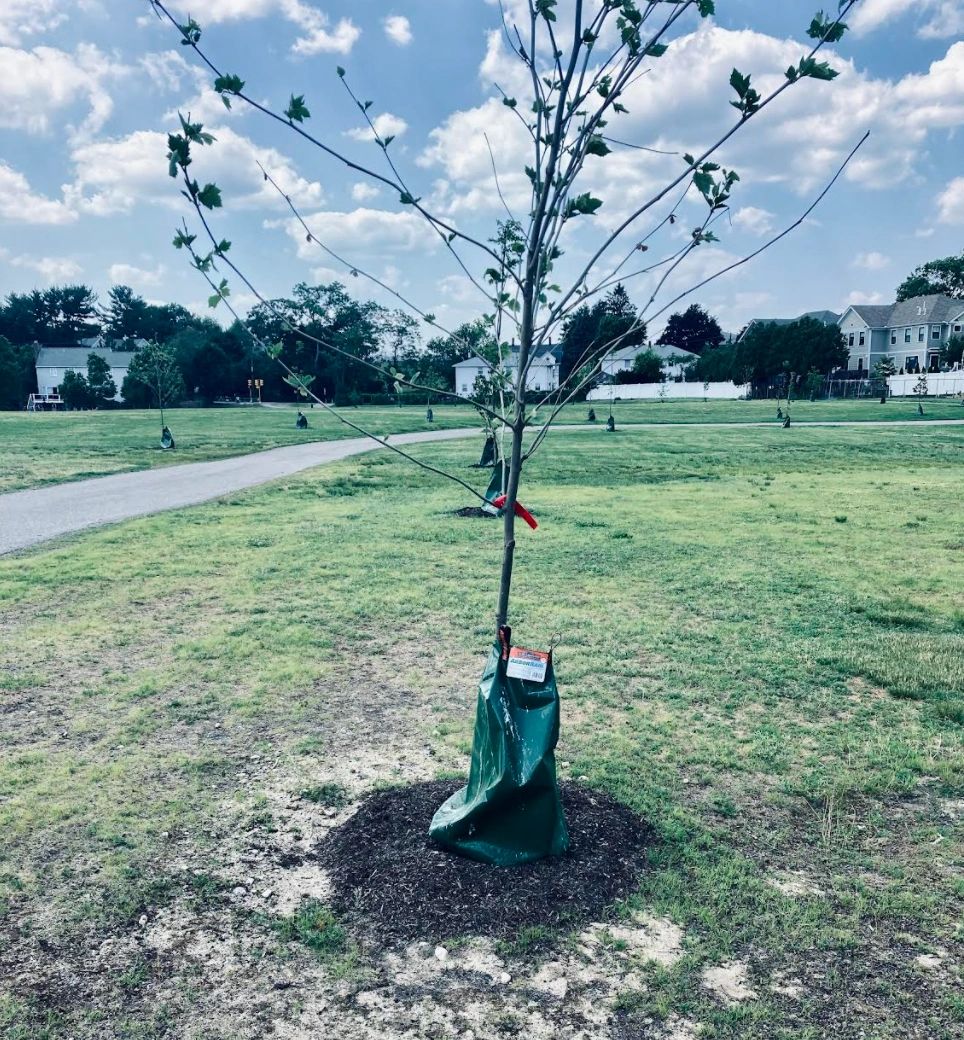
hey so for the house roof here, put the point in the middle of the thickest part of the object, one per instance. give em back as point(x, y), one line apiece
point(664, 351)
point(827, 317)
point(876, 316)
point(544, 356)
point(933, 308)
point(76, 357)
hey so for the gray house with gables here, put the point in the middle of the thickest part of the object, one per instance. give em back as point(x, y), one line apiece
point(911, 333)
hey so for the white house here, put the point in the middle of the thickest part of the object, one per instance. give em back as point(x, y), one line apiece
point(543, 373)
point(911, 333)
point(674, 360)
point(54, 362)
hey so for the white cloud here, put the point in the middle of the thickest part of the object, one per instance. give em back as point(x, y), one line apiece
point(799, 141)
point(138, 277)
point(951, 202)
point(936, 19)
point(319, 36)
point(386, 125)
point(857, 297)
point(871, 261)
point(113, 175)
point(398, 29)
point(22, 18)
point(756, 221)
point(37, 85)
point(50, 268)
point(362, 192)
point(363, 231)
point(20, 204)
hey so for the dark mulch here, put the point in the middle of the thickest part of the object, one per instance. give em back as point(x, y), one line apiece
point(398, 884)
point(474, 511)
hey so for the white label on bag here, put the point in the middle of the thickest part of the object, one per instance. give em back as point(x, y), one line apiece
point(527, 664)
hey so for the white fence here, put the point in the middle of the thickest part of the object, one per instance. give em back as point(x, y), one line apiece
point(668, 392)
point(939, 384)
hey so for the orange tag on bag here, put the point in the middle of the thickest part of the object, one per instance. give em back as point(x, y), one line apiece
point(527, 664)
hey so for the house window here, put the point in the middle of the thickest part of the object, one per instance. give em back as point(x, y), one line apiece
point(893, 336)
point(912, 364)
point(920, 334)
point(465, 389)
point(862, 339)
point(851, 340)
point(935, 332)
point(957, 328)
point(907, 335)
point(860, 364)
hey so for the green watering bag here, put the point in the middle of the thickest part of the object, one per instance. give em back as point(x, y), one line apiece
point(510, 811)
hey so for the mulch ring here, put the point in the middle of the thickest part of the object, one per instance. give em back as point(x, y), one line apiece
point(474, 511)
point(397, 884)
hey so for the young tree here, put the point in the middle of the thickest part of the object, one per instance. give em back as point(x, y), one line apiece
point(581, 67)
point(100, 383)
point(936, 276)
point(693, 330)
point(153, 379)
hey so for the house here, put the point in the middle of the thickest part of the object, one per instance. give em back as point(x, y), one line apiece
point(911, 332)
point(824, 317)
point(54, 362)
point(674, 359)
point(543, 373)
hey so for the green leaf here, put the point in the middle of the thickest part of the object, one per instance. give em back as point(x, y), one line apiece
point(688, 159)
point(509, 102)
point(816, 70)
point(340, 71)
point(222, 247)
point(706, 7)
point(828, 29)
point(230, 84)
point(296, 111)
point(273, 350)
point(597, 146)
point(544, 8)
point(191, 33)
point(656, 50)
point(617, 107)
point(388, 140)
point(210, 196)
point(583, 204)
point(408, 200)
point(182, 240)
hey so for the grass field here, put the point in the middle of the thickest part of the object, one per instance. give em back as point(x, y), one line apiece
point(49, 447)
point(762, 652)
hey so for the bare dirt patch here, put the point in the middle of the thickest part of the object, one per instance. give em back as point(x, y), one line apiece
point(398, 884)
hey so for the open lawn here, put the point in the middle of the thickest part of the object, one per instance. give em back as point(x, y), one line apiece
point(762, 652)
point(49, 447)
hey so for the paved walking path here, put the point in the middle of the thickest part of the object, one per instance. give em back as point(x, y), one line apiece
point(30, 517)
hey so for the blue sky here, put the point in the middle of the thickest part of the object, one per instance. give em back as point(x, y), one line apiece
point(89, 87)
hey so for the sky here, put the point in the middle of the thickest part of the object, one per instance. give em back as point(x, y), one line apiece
point(90, 88)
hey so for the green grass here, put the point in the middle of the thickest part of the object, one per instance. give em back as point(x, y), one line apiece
point(50, 447)
point(762, 652)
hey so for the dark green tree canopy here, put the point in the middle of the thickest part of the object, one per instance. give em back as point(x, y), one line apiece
point(647, 368)
point(936, 276)
point(591, 330)
point(56, 316)
point(100, 383)
point(694, 330)
point(769, 351)
point(18, 377)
